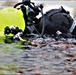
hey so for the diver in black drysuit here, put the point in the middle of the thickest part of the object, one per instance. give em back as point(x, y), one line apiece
point(50, 22)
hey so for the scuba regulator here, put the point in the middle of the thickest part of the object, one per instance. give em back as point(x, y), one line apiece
point(29, 16)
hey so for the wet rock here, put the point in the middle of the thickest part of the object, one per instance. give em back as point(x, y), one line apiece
point(20, 71)
point(71, 40)
point(70, 55)
point(36, 74)
point(57, 57)
point(74, 73)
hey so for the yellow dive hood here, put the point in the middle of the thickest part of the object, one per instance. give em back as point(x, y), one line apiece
point(11, 16)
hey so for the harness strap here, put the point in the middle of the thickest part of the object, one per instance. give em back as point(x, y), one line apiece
point(52, 12)
point(72, 27)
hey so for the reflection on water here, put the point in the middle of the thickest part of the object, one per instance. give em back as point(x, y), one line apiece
point(9, 57)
